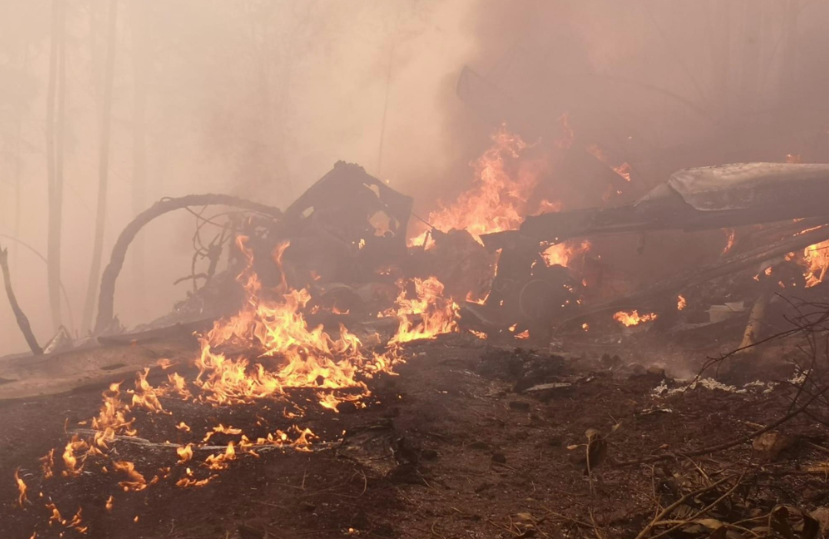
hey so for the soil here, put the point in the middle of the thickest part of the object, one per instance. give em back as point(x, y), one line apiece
point(461, 444)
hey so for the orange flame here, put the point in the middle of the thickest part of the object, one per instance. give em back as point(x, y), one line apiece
point(427, 315)
point(816, 262)
point(69, 458)
point(21, 487)
point(47, 464)
point(633, 318)
point(498, 199)
point(562, 253)
point(309, 357)
point(730, 237)
point(136, 481)
point(622, 170)
point(184, 453)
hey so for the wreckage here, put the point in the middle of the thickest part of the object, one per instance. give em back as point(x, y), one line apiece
point(691, 200)
point(348, 243)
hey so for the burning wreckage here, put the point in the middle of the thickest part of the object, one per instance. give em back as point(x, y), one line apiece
point(331, 292)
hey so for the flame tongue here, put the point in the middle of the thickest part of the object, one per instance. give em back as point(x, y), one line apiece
point(427, 315)
point(816, 262)
point(306, 357)
point(633, 318)
point(498, 199)
point(21, 487)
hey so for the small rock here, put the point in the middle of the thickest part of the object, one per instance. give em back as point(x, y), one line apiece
point(478, 444)
point(307, 507)
point(771, 444)
point(499, 458)
point(482, 487)
point(821, 514)
point(556, 440)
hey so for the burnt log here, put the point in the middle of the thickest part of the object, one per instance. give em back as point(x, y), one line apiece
point(106, 295)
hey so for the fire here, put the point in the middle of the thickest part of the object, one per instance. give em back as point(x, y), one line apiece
point(185, 454)
point(47, 464)
point(70, 460)
point(498, 199)
point(681, 303)
point(74, 522)
point(427, 315)
point(730, 237)
point(220, 460)
point(633, 318)
point(56, 517)
point(622, 170)
point(112, 419)
point(21, 487)
point(545, 206)
point(145, 395)
point(816, 262)
point(309, 357)
point(269, 325)
point(164, 363)
point(136, 481)
point(562, 253)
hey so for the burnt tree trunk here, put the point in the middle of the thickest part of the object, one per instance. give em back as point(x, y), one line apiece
point(55, 121)
point(139, 141)
point(103, 168)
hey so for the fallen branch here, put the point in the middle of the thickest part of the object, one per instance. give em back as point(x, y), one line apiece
point(729, 445)
point(658, 519)
point(22, 320)
point(106, 296)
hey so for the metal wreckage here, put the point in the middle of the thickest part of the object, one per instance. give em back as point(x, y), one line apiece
point(348, 247)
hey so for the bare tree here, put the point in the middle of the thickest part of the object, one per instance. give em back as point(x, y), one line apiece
point(103, 168)
point(139, 143)
point(55, 129)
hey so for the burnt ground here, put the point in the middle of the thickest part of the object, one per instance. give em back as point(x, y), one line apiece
point(453, 447)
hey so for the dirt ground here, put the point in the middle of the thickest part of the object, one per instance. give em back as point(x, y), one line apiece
point(453, 447)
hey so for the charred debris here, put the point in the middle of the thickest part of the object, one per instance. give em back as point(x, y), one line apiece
point(348, 247)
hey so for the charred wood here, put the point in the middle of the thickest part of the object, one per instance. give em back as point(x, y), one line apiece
point(20, 316)
point(106, 296)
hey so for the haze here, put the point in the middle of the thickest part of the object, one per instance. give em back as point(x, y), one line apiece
point(260, 98)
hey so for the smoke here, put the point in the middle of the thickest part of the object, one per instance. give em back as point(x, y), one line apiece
point(259, 98)
point(252, 98)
